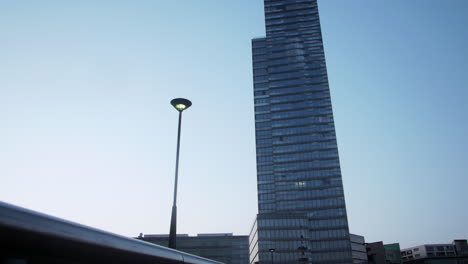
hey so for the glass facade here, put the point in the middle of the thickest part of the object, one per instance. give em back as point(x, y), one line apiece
point(302, 214)
point(224, 248)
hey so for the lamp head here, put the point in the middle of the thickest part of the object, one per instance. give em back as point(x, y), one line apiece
point(271, 250)
point(181, 104)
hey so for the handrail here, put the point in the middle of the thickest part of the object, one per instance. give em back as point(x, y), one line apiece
point(24, 232)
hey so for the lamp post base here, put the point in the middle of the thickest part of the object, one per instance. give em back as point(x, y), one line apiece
point(172, 232)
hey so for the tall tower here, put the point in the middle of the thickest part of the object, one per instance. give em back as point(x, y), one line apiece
point(302, 214)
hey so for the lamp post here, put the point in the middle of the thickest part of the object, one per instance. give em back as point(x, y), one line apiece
point(272, 250)
point(180, 104)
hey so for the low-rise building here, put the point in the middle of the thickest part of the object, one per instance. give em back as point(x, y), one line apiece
point(222, 247)
point(392, 253)
point(428, 250)
point(380, 253)
point(455, 253)
point(358, 249)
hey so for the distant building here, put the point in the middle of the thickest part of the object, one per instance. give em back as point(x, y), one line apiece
point(378, 253)
point(461, 247)
point(358, 249)
point(429, 250)
point(455, 253)
point(223, 247)
point(375, 253)
point(392, 253)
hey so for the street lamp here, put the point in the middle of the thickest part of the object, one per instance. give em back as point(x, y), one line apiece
point(272, 250)
point(180, 104)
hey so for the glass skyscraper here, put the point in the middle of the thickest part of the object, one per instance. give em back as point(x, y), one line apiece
point(302, 215)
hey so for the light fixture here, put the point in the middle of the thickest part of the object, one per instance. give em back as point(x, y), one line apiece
point(181, 104)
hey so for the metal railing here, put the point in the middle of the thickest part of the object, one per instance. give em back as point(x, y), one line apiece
point(31, 237)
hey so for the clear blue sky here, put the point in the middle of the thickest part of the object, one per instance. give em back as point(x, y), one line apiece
point(87, 132)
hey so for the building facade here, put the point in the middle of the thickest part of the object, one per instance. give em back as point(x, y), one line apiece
point(392, 253)
point(223, 247)
point(430, 250)
point(455, 253)
point(358, 249)
point(376, 253)
point(302, 215)
point(380, 253)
